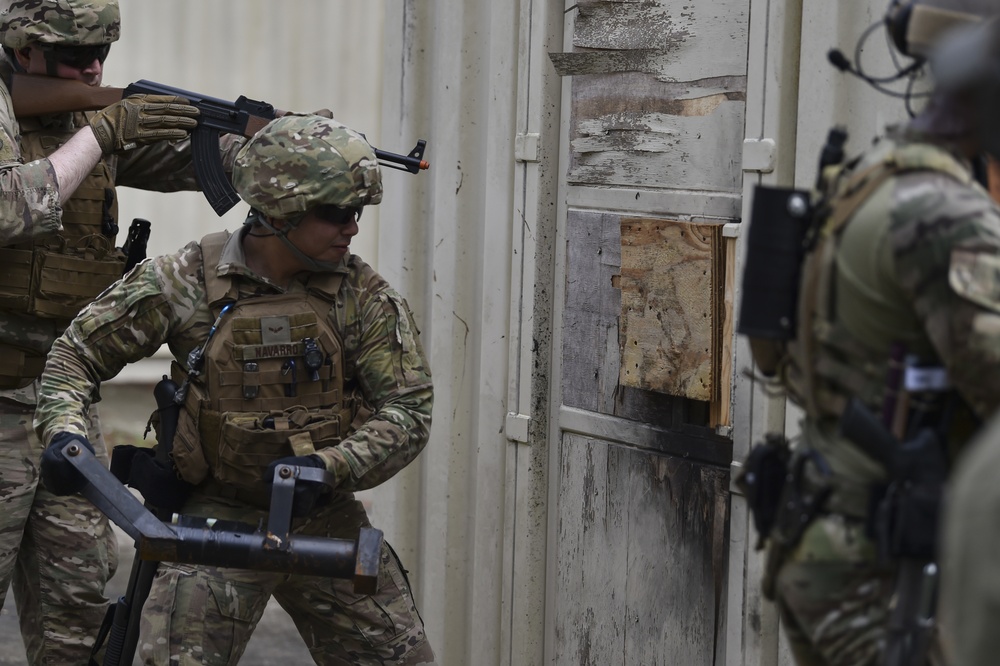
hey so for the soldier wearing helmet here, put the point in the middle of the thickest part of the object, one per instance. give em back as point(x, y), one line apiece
point(303, 355)
point(968, 65)
point(58, 208)
point(898, 324)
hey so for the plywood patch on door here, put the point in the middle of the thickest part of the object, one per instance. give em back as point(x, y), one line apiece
point(672, 280)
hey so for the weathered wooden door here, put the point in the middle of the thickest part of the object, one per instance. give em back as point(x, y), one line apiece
point(653, 130)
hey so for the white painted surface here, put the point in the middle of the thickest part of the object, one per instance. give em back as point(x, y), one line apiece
point(299, 55)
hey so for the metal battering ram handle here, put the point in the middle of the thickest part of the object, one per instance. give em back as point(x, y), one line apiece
point(231, 544)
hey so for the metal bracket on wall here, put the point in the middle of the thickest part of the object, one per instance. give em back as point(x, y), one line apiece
point(758, 155)
point(516, 427)
point(526, 147)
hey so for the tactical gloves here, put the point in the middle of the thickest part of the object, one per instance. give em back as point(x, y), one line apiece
point(143, 119)
point(307, 493)
point(58, 474)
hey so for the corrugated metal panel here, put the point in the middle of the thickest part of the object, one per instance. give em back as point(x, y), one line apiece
point(465, 244)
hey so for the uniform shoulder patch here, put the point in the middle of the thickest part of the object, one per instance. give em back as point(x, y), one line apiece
point(975, 276)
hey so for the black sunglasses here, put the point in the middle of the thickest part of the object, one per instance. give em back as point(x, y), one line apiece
point(77, 57)
point(338, 214)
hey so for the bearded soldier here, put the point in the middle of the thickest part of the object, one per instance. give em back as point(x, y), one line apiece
point(290, 351)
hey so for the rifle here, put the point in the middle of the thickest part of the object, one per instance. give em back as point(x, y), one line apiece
point(916, 471)
point(34, 95)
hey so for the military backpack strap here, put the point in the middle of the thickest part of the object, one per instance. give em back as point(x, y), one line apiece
point(217, 288)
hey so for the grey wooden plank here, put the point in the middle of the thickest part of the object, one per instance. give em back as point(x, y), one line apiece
point(591, 578)
point(641, 555)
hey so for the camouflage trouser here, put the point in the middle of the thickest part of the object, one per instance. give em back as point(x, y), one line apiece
point(58, 551)
point(834, 599)
point(205, 615)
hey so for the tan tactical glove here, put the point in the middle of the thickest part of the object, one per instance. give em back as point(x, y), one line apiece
point(143, 119)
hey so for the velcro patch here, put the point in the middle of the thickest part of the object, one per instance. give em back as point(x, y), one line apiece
point(975, 276)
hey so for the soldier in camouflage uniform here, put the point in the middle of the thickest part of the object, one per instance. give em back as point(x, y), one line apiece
point(308, 357)
point(904, 273)
point(58, 220)
point(970, 584)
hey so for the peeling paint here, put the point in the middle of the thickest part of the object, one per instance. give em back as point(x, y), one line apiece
point(629, 26)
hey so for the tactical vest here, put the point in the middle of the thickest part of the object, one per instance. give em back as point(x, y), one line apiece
point(271, 384)
point(826, 362)
point(55, 276)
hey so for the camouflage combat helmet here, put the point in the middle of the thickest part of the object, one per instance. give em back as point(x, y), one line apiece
point(967, 63)
point(298, 162)
point(916, 26)
point(59, 22)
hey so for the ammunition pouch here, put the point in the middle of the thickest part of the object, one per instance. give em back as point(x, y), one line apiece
point(248, 442)
point(56, 280)
point(906, 513)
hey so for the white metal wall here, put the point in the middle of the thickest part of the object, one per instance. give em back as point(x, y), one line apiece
point(299, 55)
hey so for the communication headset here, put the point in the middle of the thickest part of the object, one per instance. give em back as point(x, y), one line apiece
point(915, 26)
point(912, 28)
point(897, 20)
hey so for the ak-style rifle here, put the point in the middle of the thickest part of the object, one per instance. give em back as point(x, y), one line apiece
point(35, 95)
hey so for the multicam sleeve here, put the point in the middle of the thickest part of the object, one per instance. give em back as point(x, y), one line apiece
point(947, 263)
point(169, 166)
point(128, 322)
point(29, 193)
point(395, 378)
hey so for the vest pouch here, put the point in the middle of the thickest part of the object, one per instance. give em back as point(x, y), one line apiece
point(19, 367)
point(65, 280)
point(15, 279)
point(250, 441)
point(187, 453)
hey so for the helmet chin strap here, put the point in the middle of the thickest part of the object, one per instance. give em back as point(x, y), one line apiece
point(282, 234)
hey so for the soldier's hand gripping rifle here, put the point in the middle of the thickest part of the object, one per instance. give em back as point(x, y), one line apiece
point(34, 95)
point(905, 526)
point(162, 536)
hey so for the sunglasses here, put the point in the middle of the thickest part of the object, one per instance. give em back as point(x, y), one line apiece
point(338, 214)
point(77, 57)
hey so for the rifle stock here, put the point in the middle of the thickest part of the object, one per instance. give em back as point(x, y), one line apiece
point(37, 95)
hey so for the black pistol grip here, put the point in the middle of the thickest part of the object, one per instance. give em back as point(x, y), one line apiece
point(169, 410)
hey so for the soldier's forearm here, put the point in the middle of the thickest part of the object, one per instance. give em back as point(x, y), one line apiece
point(74, 160)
